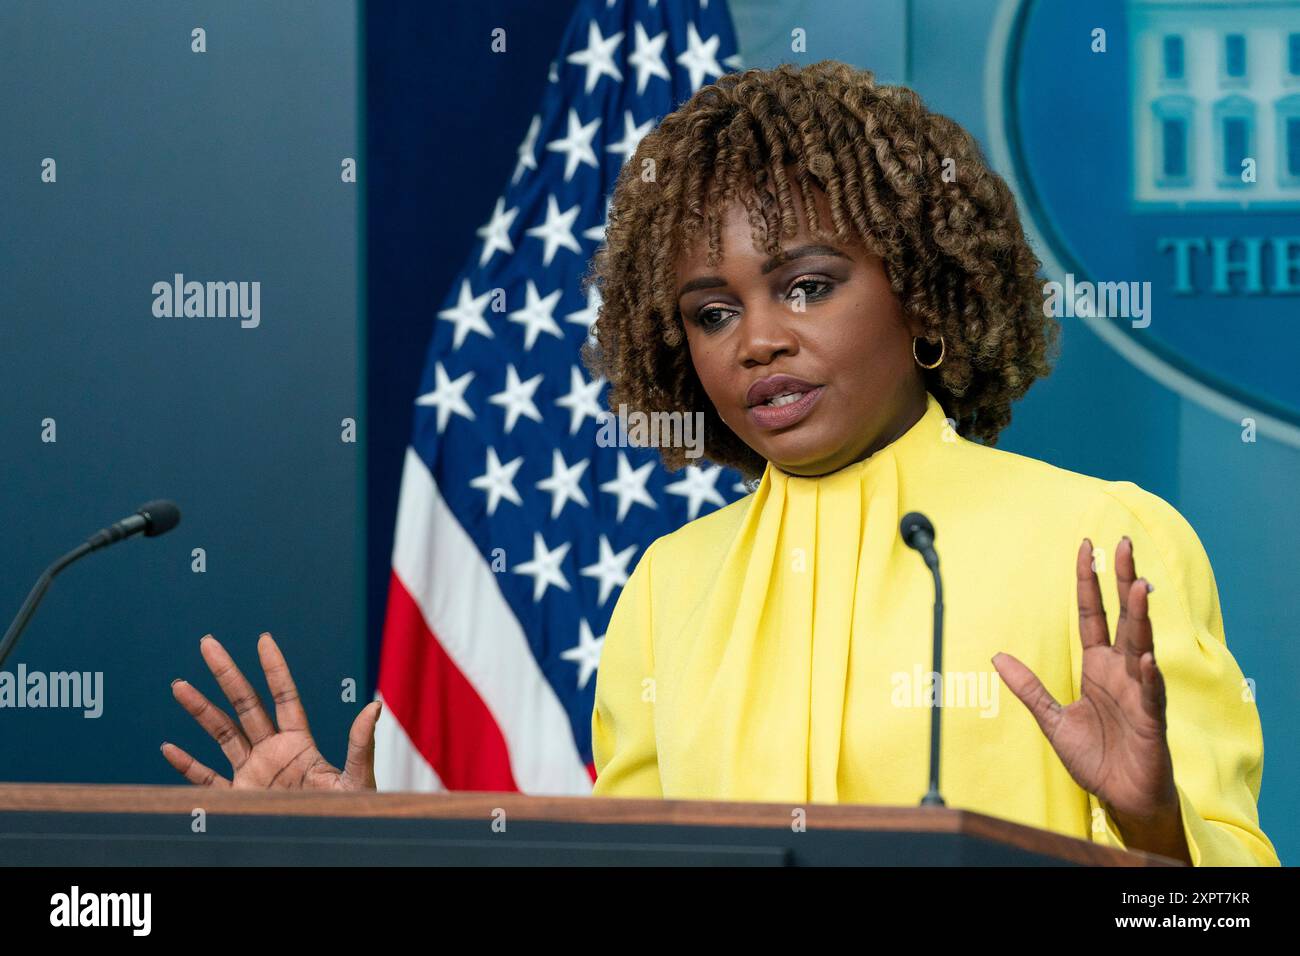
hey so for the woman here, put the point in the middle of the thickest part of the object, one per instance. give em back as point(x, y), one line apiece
point(831, 273)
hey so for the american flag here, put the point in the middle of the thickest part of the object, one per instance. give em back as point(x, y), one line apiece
point(515, 529)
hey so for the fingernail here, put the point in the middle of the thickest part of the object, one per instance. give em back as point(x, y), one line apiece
point(1088, 542)
point(265, 634)
point(1128, 539)
point(177, 680)
point(205, 637)
point(1150, 587)
point(162, 745)
point(994, 659)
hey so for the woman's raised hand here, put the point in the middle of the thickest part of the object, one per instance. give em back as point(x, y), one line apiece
point(1112, 740)
point(262, 756)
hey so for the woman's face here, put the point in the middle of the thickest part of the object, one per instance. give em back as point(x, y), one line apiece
point(823, 314)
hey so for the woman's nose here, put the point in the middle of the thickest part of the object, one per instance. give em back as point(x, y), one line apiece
point(766, 332)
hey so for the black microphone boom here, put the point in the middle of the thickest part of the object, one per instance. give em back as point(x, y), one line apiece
point(918, 534)
point(153, 518)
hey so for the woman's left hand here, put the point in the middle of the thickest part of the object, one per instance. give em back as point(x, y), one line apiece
point(1112, 739)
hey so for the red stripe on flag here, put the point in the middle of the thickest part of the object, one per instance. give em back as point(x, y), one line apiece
point(436, 706)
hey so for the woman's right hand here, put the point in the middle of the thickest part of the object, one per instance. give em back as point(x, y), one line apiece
point(262, 756)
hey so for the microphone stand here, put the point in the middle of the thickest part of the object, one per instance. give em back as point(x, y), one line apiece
point(151, 519)
point(34, 598)
point(918, 534)
point(932, 797)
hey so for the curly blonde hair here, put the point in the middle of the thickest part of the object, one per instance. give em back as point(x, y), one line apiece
point(952, 245)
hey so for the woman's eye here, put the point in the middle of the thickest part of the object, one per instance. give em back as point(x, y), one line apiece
point(710, 318)
point(819, 288)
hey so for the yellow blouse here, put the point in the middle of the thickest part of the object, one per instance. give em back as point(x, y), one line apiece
point(778, 649)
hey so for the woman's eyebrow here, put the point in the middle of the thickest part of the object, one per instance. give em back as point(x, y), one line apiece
point(789, 255)
point(703, 282)
point(802, 252)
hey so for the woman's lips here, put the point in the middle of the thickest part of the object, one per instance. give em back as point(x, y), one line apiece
point(781, 416)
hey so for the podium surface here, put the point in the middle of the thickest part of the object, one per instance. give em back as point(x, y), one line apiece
point(111, 825)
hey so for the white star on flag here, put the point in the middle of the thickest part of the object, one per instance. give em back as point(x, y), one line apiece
point(632, 136)
point(588, 315)
point(467, 314)
point(496, 233)
point(698, 487)
point(447, 396)
point(557, 230)
point(587, 654)
point(630, 485)
point(597, 232)
point(517, 397)
point(563, 484)
point(527, 159)
point(576, 145)
point(598, 57)
point(536, 315)
point(544, 568)
point(648, 58)
point(611, 568)
point(700, 57)
point(498, 480)
point(583, 399)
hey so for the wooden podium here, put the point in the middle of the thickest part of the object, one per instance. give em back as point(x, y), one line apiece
point(98, 825)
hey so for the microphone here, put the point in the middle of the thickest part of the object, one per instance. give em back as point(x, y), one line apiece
point(918, 534)
point(153, 518)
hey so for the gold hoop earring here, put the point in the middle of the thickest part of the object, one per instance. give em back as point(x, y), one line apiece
point(938, 362)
